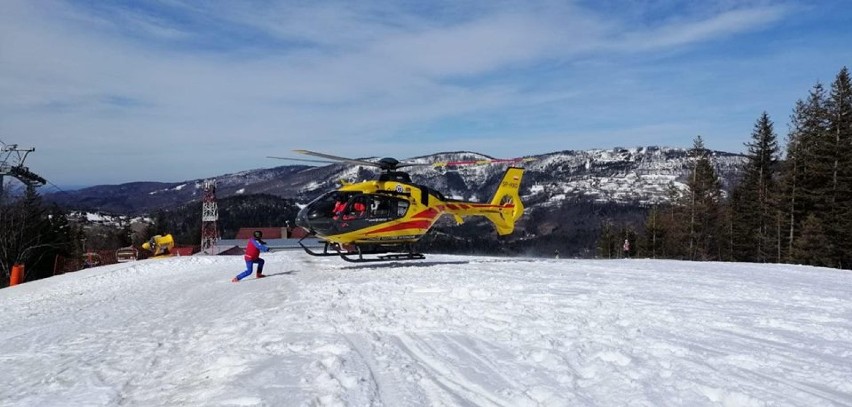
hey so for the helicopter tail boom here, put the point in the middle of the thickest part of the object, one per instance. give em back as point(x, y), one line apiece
point(508, 200)
point(502, 210)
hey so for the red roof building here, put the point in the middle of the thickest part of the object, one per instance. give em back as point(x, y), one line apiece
point(273, 233)
point(183, 250)
point(268, 233)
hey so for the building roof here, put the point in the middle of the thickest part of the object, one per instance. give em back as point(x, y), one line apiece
point(182, 250)
point(268, 233)
point(228, 246)
point(282, 232)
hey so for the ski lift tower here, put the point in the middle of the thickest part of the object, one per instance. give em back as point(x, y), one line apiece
point(209, 218)
point(12, 164)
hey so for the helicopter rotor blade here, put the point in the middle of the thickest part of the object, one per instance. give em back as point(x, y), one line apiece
point(402, 165)
point(483, 162)
point(389, 164)
point(303, 159)
point(338, 158)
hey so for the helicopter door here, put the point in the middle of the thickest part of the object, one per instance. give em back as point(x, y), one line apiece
point(386, 207)
point(401, 207)
point(356, 208)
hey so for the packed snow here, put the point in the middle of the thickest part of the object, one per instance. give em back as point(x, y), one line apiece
point(445, 331)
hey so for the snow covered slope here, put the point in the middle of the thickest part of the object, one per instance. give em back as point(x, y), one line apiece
point(447, 331)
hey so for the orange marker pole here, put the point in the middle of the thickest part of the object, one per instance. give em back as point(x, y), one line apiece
point(17, 275)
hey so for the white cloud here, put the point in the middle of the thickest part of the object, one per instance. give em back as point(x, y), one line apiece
point(73, 81)
point(718, 26)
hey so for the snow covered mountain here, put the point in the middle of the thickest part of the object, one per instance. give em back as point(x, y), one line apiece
point(446, 331)
point(638, 175)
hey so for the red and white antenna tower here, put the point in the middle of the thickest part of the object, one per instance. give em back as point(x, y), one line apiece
point(209, 218)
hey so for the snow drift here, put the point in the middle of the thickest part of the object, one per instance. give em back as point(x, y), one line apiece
point(447, 331)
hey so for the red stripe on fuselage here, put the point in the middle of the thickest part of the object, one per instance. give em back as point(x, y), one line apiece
point(427, 214)
point(412, 224)
point(477, 206)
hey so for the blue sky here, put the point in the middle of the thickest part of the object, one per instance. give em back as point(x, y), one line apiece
point(120, 91)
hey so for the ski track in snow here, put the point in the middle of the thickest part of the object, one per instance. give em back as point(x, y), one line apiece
point(447, 331)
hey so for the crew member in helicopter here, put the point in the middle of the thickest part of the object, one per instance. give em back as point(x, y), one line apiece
point(254, 246)
point(358, 209)
point(338, 208)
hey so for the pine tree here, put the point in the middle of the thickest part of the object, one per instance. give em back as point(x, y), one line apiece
point(674, 226)
point(702, 203)
point(753, 213)
point(838, 219)
point(812, 247)
point(607, 242)
point(800, 180)
point(31, 235)
point(652, 240)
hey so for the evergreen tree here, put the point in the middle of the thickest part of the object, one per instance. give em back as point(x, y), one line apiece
point(812, 247)
point(674, 226)
point(800, 182)
point(652, 241)
point(160, 225)
point(608, 241)
point(839, 142)
point(726, 240)
point(31, 235)
point(752, 202)
point(702, 204)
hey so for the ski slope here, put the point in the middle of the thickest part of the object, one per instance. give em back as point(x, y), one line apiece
point(447, 331)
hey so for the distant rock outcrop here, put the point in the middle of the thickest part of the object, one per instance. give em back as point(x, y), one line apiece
point(635, 176)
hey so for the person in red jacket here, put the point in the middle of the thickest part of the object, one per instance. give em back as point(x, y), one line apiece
point(253, 248)
point(338, 209)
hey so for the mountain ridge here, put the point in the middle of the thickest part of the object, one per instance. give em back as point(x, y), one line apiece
point(634, 175)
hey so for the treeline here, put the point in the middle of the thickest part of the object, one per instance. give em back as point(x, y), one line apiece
point(260, 210)
point(43, 238)
point(570, 229)
point(795, 210)
point(33, 234)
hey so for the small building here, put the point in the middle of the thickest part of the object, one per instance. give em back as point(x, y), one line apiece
point(276, 238)
point(184, 250)
point(284, 232)
point(232, 247)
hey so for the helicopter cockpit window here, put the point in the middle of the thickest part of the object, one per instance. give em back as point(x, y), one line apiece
point(329, 205)
point(379, 208)
point(401, 208)
point(386, 207)
point(356, 208)
point(322, 206)
point(370, 206)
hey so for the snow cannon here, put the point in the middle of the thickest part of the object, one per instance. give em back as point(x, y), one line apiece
point(160, 245)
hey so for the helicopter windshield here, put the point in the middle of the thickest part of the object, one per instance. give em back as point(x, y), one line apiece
point(349, 209)
point(369, 206)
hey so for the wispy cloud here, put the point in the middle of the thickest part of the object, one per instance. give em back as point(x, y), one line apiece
point(721, 26)
point(201, 88)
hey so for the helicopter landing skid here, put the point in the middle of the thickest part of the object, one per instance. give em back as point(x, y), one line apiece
point(357, 255)
point(386, 257)
point(357, 252)
point(325, 251)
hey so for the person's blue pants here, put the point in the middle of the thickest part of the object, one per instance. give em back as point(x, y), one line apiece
point(249, 264)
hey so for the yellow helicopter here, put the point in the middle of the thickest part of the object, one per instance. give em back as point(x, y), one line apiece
point(383, 218)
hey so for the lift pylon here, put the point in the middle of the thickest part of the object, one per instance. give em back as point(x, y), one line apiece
point(12, 164)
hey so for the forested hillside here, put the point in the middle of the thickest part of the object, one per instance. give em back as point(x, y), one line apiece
point(796, 210)
point(260, 210)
